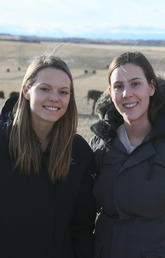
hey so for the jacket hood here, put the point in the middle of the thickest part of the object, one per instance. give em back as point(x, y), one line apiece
point(6, 114)
point(110, 119)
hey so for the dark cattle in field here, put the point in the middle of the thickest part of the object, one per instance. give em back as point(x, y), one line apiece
point(93, 95)
point(2, 95)
point(14, 94)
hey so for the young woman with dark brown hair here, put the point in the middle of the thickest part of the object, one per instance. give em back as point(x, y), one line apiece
point(130, 146)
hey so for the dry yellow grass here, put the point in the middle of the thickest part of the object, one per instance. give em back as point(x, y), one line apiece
point(79, 57)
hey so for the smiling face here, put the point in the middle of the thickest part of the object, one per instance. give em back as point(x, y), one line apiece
point(48, 97)
point(130, 92)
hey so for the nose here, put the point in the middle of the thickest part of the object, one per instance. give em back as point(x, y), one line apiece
point(127, 92)
point(54, 96)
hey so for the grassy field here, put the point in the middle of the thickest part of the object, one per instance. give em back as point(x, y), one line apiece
point(17, 55)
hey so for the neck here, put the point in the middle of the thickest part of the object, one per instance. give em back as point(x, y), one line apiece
point(42, 133)
point(137, 132)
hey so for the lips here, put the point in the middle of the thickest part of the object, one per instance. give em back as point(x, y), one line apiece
point(51, 108)
point(130, 105)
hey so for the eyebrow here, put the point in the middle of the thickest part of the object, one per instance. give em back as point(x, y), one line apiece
point(136, 78)
point(44, 83)
point(133, 79)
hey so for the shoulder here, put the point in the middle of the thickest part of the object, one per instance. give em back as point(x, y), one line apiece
point(81, 148)
point(80, 142)
point(98, 147)
point(82, 156)
point(158, 125)
point(6, 111)
point(4, 129)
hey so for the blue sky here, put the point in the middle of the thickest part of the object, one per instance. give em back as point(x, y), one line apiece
point(120, 19)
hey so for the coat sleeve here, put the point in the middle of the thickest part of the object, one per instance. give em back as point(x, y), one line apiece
point(84, 214)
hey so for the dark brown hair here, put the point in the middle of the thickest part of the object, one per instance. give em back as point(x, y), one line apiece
point(140, 60)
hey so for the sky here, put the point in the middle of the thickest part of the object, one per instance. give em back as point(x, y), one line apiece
point(117, 19)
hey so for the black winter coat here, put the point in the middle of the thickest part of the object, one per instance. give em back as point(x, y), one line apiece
point(39, 219)
point(130, 193)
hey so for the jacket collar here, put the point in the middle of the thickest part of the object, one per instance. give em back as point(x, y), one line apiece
point(7, 110)
point(158, 127)
point(106, 129)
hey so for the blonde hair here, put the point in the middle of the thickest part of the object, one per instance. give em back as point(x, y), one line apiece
point(24, 146)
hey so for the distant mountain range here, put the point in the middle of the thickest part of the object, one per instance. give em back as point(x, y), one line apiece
point(38, 39)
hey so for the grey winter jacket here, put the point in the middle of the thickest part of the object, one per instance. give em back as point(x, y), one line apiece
point(130, 193)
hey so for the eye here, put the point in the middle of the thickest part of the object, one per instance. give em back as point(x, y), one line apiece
point(135, 83)
point(46, 89)
point(64, 92)
point(118, 87)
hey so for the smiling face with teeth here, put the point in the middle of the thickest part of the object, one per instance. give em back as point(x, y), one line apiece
point(130, 92)
point(48, 97)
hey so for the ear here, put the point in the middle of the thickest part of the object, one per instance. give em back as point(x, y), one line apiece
point(152, 87)
point(26, 92)
point(109, 90)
